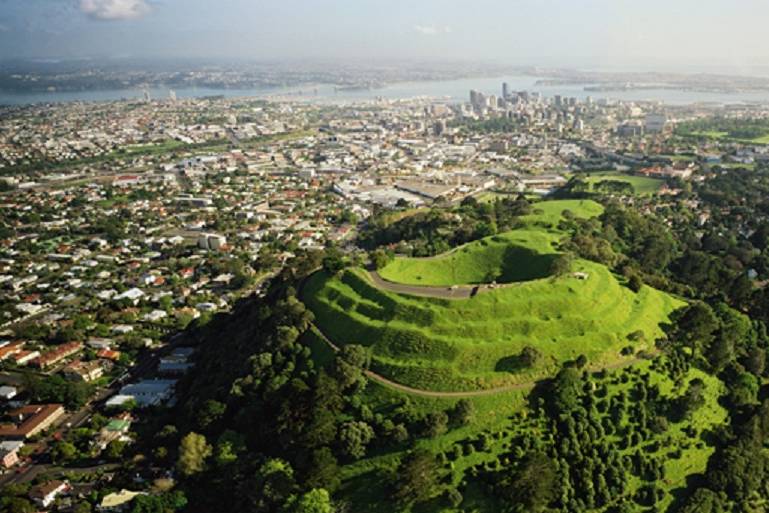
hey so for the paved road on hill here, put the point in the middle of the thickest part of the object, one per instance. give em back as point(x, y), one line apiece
point(457, 292)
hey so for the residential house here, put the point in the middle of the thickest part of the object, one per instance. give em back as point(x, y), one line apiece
point(46, 493)
point(9, 452)
point(31, 420)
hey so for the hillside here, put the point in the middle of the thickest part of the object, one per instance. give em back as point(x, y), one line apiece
point(481, 342)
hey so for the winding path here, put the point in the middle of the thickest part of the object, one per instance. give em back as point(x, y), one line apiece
point(456, 292)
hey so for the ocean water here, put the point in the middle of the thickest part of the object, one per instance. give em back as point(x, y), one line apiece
point(451, 90)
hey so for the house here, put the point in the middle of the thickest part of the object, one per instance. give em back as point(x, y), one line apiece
point(84, 371)
point(109, 354)
point(31, 420)
point(144, 393)
point(133, 295)
point(24, 357)
point(55, 356)
point(117, 501)
point(100, 343)
point(177, 362)
point(116, 429)
point(45, 494)
point(9, 452)
point(8, 392)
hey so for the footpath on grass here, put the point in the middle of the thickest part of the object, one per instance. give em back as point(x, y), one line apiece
point(463, 394)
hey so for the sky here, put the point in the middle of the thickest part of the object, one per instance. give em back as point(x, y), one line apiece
point(598, 34)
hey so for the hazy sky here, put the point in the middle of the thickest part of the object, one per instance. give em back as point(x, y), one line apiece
point(596, 33)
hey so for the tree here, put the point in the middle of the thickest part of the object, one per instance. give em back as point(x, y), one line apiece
point(416, 478)
point(193, 452)
point(210, 412)
point(229, 445)
point(115, 450)
point(695, 326)
point(333, 262)
point(565, 390)
point(743, 390)
point(165, 503)
point(316, 500)
point(531, 487)
point(560, 265)
point(464, 412)
point(354, 436)
point(63, 453)
point(83, 507)
point(436, 423)
point(380, 258)
point(350, 363)
point(323, 471)
point(17, 505)
point(275, 483)
point(530, 356)
point(692, 400)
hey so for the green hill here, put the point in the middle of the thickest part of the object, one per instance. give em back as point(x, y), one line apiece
point(520, 255)
point(515, 256)
point(477, 343)
point(442, 344)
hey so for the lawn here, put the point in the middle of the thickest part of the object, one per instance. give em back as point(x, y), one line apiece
point(642, 185)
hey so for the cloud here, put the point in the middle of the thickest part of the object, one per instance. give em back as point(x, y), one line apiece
point(115, 9)
point(432, 30)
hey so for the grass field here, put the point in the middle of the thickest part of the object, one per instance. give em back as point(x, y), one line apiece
point(715, 134)
point(642, 185)
point(470, 344)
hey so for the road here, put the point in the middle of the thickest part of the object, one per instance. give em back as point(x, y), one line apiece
point(456, 292)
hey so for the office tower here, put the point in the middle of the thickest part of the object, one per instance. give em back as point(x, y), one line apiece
point(505, 90)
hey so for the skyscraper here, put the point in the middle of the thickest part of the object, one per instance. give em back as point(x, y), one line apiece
point(505, 90)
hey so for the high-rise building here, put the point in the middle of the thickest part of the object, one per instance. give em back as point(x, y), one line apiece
point(655, 123)
point(505, 90)
point(172, 95)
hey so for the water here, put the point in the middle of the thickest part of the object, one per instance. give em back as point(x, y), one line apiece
point(452, 90)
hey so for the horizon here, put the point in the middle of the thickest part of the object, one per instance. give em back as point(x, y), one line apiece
point(595, 35)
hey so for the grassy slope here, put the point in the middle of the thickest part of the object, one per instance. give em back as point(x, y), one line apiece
point(642, 185)
point(470, 344)
point(514, 256)
point(506, 415)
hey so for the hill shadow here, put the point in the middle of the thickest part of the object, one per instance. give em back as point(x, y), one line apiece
point(522, 264)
